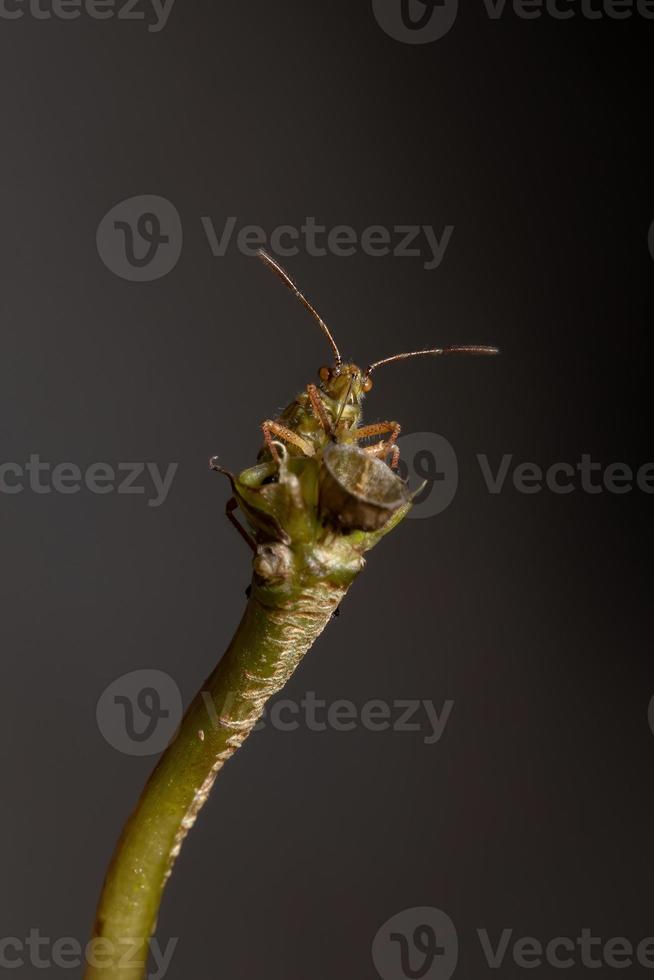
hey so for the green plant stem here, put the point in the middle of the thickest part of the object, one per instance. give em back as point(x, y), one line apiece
point(267, 647)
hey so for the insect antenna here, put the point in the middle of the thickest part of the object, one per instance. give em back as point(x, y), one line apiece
point(434, 352)
point(286, 279)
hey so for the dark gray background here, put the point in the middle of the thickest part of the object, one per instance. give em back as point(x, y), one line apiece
point(534, 811)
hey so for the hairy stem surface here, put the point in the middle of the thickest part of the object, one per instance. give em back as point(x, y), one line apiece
point(267, 647)
point(304, 563)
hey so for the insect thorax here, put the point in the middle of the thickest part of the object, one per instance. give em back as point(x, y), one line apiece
point(300, 417)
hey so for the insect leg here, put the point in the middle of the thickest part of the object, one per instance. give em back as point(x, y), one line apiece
point(319, 409)
point(395, 457)
point(388, 445)
point(377, 429)
point(271, 428)
point(230, 507)
point(381, 450)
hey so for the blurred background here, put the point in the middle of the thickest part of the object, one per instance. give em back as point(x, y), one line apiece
point(527, 613)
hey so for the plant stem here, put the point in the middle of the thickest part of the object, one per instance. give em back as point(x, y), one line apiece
point(303, 566)
point(267, 647)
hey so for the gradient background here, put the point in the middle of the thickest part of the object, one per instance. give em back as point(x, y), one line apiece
point(534, 811)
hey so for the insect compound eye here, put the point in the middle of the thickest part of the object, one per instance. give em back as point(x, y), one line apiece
point(324, 373)
point(366, 383)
